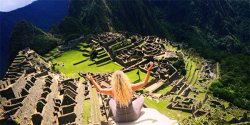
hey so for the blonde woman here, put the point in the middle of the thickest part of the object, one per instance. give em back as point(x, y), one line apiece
point(121, 104)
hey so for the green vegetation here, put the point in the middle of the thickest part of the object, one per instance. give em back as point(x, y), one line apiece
point(233, 85)
point(180, 65)
point(223, 28)
point(161, 107)
point(70, 57)
point(86, 111)
point(164, 89)
point(25, 35)
point(68, 29)
point(133, 77)
point(191, 72)
point(169, 47)
point(76, 60)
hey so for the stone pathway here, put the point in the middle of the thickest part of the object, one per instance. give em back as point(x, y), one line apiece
point(49, 107)
point(95, 109)
point(79, 100)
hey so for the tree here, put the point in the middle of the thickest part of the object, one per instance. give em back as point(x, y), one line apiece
point(180, 65)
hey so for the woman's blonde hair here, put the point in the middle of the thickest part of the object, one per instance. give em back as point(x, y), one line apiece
point(122, 90)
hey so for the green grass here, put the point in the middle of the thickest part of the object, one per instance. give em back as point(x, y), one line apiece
point(200, 96)
point(72, 56)
point(134, 77)
point(103, 55)
point(161, 106)
point(170, 48)
point(83, 45)
point(187, 64)
point(164, 89)
point(188, 67)
point(228, 117)
point(226, 104)
point(194, 78)
point(141, 44)
point(191, 74)
point(86, 112)
point(235, 111)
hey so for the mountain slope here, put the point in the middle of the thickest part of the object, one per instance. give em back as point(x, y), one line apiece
point(221, 24)
point(97, 16)
point(25, 35)
point(42, 13)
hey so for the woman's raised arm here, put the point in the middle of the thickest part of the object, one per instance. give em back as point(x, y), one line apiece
point(104, 91)
point(139, 85)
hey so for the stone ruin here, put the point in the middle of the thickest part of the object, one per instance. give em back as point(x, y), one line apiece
point(187, 104)
point(207, 72)
point(31, 94)
point(135, 51)
point(128, 51)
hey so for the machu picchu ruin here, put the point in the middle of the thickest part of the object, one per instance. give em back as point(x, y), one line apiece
point(48, 89)
point(124, 62)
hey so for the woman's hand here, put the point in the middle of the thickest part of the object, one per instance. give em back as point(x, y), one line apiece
point(89, 77)
point(139, 85)
point(150, 66)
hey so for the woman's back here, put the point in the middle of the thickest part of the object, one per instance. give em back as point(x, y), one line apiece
point(126, 113)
